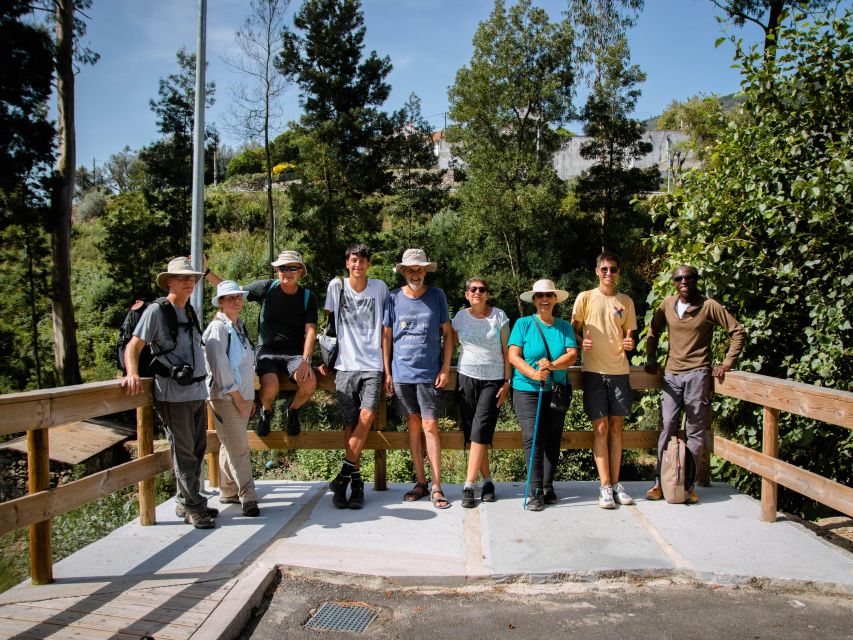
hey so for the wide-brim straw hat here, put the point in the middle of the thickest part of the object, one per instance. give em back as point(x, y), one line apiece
point(227, 288)
point(177, 267)
point(544, 286)
point(415, 258)
point(290, 257)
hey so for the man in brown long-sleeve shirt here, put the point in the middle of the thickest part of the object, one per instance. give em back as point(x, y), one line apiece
point(690, 319)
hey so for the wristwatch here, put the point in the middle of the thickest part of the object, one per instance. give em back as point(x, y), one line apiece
point(306, 359)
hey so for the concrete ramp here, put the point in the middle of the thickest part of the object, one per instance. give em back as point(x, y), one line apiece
point(172, 581)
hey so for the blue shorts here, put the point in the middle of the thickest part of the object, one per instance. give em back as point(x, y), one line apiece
point(419, 398)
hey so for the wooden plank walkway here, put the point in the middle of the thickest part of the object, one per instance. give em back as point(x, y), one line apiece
point(73, 443)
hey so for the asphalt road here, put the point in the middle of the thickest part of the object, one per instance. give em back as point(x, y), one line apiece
point(657, 609)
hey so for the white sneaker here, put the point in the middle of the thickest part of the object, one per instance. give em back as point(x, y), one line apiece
point(605, 497)
point(621, 496)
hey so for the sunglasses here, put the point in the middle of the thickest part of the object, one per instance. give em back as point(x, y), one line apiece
point(478, 289)
point(292, 269)
point(544, 295)
point(688, 278)
point(609, 269)
point(230, 298)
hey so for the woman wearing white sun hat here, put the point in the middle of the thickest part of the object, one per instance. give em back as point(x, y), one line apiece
point(230, 362)
point(541, 348)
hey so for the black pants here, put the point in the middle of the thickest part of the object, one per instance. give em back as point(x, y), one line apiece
point(546, 453)
point(478, 407)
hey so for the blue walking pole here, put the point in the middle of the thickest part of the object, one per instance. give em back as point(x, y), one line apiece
point(533, 446)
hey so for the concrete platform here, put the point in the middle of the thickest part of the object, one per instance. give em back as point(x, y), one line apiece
point(211, 579)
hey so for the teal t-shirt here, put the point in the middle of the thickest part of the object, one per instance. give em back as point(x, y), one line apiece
point(560, 336)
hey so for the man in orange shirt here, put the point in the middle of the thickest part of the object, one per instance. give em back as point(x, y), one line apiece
point(604, 322)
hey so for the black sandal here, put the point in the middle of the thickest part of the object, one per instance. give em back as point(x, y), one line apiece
point(420, 490)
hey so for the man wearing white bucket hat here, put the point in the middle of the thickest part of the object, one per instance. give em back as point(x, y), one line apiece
point(417, 366)
point(170, 326)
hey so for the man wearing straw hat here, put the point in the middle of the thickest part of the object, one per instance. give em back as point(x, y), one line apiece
point(179, 390)
point(287, 327)
point(417, 366)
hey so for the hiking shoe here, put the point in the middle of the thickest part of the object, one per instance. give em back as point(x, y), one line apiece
point(262, 428)
point(292, 422)
point(655, 493)
point(250, 509)
point(535, 504)
point(605, 497)
point(692, 497)
point(181, 512)
point(488, 493)
point(339, 491)
point(468, 498)
point(550, 497)
point(200, 520)
point(621, 496)
point(229, 500)
point(356, 498)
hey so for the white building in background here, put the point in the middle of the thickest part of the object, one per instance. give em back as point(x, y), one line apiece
point(568, 161)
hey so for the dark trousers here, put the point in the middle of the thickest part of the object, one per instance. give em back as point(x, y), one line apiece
point(546, 452)
point(186, 428)
point(690, 392)
point(478, 407)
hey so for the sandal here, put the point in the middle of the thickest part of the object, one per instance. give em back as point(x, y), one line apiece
point(438, 500)
point(419, 491)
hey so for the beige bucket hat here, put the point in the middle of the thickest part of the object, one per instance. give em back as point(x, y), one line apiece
point(415, 258)
point(290, 257)
point(177, 267)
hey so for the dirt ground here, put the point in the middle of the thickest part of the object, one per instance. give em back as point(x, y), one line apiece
point(658, 609)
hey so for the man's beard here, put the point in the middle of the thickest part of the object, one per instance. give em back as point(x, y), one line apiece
point(415, 286)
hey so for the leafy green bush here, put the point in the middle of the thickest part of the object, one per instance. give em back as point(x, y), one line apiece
point(767, 223)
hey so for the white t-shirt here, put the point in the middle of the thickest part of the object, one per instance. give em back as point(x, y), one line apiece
point(359, 325)
point(481, 356)
point(681, 307)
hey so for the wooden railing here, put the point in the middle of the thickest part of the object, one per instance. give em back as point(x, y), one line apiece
point(37, 411)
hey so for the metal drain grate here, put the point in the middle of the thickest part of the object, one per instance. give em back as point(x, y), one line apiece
point(343, 616)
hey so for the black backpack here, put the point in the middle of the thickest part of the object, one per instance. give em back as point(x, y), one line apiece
point(148, 364)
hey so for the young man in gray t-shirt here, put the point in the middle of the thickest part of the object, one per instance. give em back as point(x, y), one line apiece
point(357, 313)
point(179, 388)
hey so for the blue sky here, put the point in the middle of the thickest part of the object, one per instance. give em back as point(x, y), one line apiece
point(427, 41)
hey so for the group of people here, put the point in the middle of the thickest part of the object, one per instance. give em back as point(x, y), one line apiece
point(403, 341)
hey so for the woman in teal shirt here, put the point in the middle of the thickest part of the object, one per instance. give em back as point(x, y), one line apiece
point(534, 369)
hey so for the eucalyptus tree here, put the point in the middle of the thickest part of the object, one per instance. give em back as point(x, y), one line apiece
point(506, 105)
point(26, 155)
point(255, 109)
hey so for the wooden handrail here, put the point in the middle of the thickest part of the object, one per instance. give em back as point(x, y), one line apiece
point(808, 400)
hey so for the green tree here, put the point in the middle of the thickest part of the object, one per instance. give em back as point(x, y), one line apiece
point(615, 140)
point(344, 137)
point(767, 222)
point(26, 155)
point(506, 106)
point(766, 14)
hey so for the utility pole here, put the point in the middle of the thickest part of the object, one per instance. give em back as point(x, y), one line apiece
point(197, 240)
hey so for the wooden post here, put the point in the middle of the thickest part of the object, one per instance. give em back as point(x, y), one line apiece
point(770, 447)
point(38, 471)
point(145, 445)
point(380, 456)
point(212, 456)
